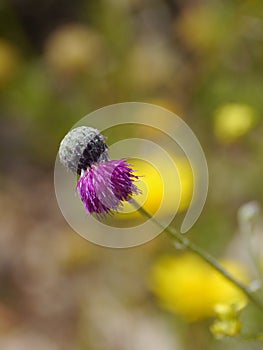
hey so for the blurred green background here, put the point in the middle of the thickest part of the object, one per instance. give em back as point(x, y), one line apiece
point(60, 60)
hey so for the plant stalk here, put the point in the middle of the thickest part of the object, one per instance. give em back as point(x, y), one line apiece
point(185, 242)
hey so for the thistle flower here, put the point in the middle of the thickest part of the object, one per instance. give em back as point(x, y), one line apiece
point(104, 184)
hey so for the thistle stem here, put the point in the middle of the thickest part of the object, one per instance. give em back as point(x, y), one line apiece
point(185, 242)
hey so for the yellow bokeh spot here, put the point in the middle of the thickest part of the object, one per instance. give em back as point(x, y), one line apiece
point(189, 287)
point(8, 62)
point(73, 49)
point(233, 121)
point(167, 192)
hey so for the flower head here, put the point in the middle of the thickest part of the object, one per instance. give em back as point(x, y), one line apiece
point(104, 184)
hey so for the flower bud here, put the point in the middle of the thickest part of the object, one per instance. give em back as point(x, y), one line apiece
point(82, 147)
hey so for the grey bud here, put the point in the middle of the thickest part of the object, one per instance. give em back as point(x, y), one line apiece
point(82, 147)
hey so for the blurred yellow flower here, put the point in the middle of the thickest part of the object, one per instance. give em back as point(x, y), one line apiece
point(227, 322)
point(226, 328)
point(188, 286)
point(153, 194)
point(226, 312)
point(73, 49)
point(233, 120)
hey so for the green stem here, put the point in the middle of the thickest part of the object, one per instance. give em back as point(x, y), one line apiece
point(202, 254)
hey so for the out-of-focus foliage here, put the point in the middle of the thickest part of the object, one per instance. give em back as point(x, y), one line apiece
point(60, 60)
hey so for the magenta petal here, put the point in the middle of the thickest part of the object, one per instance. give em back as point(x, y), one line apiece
point(104, 186)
